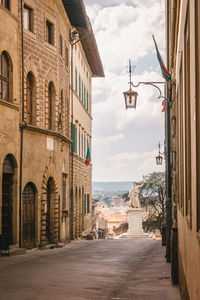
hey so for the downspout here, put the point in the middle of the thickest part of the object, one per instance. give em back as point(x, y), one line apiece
point(21, 128)
point(72, 154)
point(168, 166)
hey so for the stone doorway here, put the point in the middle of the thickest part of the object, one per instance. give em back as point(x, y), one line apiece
point(29, 196)
point(7, 198)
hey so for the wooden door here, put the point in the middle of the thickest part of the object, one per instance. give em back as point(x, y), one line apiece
point(29, 216)
point(7, 206)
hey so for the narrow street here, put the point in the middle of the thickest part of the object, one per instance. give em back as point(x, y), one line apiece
point(101, 269)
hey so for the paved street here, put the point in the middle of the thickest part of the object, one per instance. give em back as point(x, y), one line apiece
point(102, 269)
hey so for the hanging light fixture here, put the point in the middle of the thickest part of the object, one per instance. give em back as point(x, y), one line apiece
point(159, 158)
point(130, 96)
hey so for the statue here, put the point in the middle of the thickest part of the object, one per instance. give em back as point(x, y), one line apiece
point(133, 194)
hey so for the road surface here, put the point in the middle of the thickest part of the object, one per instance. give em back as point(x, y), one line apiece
point(101, 269)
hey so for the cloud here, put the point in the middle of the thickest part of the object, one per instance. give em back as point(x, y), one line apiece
point(125, 31)
point(132, 165)
point(109, 139)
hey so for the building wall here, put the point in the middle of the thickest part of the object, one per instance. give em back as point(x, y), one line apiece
point(40, 158)
point(82, 120)
point(184, 140)
point(9, 110)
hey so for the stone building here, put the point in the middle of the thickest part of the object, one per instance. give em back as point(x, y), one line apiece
point(183, 52)
point(36, 112)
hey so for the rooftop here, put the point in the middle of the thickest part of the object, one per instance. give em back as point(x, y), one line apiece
point(75, 10)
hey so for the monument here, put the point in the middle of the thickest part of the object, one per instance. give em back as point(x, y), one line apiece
point(135, 214)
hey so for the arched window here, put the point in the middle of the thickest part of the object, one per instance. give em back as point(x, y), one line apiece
point(51, 93)
point(61, 111)
point(6, 3)
point(29, 98)
point(4, 76)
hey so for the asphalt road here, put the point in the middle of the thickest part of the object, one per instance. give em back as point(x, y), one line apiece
point(101, 269)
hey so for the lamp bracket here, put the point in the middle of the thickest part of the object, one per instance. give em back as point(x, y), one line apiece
point(154, 84)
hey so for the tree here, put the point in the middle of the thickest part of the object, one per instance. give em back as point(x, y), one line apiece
point(152, 196)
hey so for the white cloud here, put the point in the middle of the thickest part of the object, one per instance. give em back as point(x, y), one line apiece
point(109, 139)
point(132, 165)
point(125, 31)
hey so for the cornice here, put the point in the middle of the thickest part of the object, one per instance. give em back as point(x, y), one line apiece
point(45, 132)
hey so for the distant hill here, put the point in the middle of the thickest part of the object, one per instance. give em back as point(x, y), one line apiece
point(123, 186)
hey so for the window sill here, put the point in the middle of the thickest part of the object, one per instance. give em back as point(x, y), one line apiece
point(50, 46)
point(9, 104)
point(30, 33)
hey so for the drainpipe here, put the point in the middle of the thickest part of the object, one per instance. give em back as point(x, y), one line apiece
point(21, 128)
point(168, 140)
point(72, 154)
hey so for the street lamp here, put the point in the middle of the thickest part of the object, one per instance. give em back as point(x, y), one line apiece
point(130, 96)
point(159, 158)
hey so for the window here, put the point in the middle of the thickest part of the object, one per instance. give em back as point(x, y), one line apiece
point(82, 93)
point(5, 3)
point(67, 57)
point(50, 105)
point(61, 109)
point(61, 45)
point(79, 86)
point(84, 97)
point(49, 32)
point(4, 76)
point(28, 20)
point(88, 203)
point(85, 204)
point(29, 98)
point(64, 191)
point(87, 101)
point(74, 138)
point(76, 81)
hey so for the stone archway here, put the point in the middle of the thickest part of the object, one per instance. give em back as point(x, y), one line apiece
point(49, 207)
point(8, 203)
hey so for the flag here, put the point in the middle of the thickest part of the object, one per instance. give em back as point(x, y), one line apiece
point(88, 159)
point(164, 70)
point(163, 105)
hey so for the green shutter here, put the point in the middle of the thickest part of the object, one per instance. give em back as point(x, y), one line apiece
point(82, 92)
point(87, 101)
point(79, 86)
point(76, 83)
point(74, 138)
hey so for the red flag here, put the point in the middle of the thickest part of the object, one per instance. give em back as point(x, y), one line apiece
point(163, 105)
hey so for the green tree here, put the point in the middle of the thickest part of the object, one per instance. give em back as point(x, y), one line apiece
point(152, 196)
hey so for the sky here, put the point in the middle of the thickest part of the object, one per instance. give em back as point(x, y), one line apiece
point(125, 142)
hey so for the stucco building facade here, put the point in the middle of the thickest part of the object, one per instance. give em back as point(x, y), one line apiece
point(182, 31)
point(37, 205)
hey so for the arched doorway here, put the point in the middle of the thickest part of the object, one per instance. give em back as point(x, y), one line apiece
point(7, 198)
point(50, 213)
point(29, 195)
